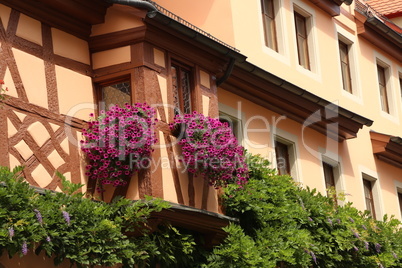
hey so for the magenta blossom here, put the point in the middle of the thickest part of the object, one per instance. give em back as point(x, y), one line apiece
point(210, 149)
point(118, 142)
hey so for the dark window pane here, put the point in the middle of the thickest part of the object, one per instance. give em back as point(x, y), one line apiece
point(345, 66)
point(329, 180)
point(400, 202)
point(383, 89)
point(181, 87)
point(115, 94)
point(268, 12)
point(301, 39)
point(282, 158)
point(368, 194)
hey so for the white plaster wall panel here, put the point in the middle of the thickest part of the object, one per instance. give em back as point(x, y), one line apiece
point(54, 127)
point(111, 57)
point(11, 129)
point(32, 71)
point(23, 149)
point(65, 146)
point(13, 162)
point(69, 46)
point(75, 93)
point(41, 176)
point(163, 86)
point(205, 79)
point(169, 191)
point(205, 104)
point(8, 83)
point(55, 159)
point(38, 133)
point(5, 15)
point(30, 29)
point(133, 191)
point(21, 116)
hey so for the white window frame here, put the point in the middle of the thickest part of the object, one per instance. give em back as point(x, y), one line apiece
point(292, 142)
point(237, 115)
point(398, 189)
point(312, 41)
point(386, 64)
point(399, 87)
point(282, 38)
point(334, 161)
point(372, 176)
point(350, 40)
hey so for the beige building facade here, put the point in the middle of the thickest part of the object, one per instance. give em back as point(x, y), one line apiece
point(312, 85)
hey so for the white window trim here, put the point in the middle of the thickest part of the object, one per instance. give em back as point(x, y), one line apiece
point(386, 63)
point(398, 189)
point(336, 162)
point(282, 38)
point(292, 140)
point(236, 113)
point(312, 41)
point(372, 176)
point(399, 88)
point(351, 40)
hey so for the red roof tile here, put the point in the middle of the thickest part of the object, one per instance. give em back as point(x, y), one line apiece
point(386, 7)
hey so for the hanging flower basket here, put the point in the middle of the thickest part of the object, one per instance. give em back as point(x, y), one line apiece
point(210, 150)
point(118, 143)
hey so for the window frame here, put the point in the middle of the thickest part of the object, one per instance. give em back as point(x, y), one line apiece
point(270, 24)
point(312, 40)
point(237, 115)
point(368, 185)
point(347, 81)
point(328, 169)
point(102, 84)
point(191, 84)
point(390, 82)
point(303, 53)
point(350, 40)
point(279, 148)
point(333, 160)
point(290, 141)
point(400, 86)
point(399, 196)
point(382, 81)
point(234, 123)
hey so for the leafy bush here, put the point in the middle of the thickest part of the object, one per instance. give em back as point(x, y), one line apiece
point(67, 226)
point(280, 225)
point(283, 225)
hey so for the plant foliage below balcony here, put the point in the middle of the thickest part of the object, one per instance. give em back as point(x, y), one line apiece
point(284, 225)
point(281, 225)
point(66, 226)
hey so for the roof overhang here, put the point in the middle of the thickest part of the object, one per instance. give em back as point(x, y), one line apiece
point(332, 7)
point(284, 98)
point(387, 148)
point(383, 34)
point(263, 88)
point(73, 16)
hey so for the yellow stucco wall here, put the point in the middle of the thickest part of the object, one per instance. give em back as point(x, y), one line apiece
point(353, 157)
point(212, 16)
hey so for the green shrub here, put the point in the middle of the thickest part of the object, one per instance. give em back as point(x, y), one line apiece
point(289, 226)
